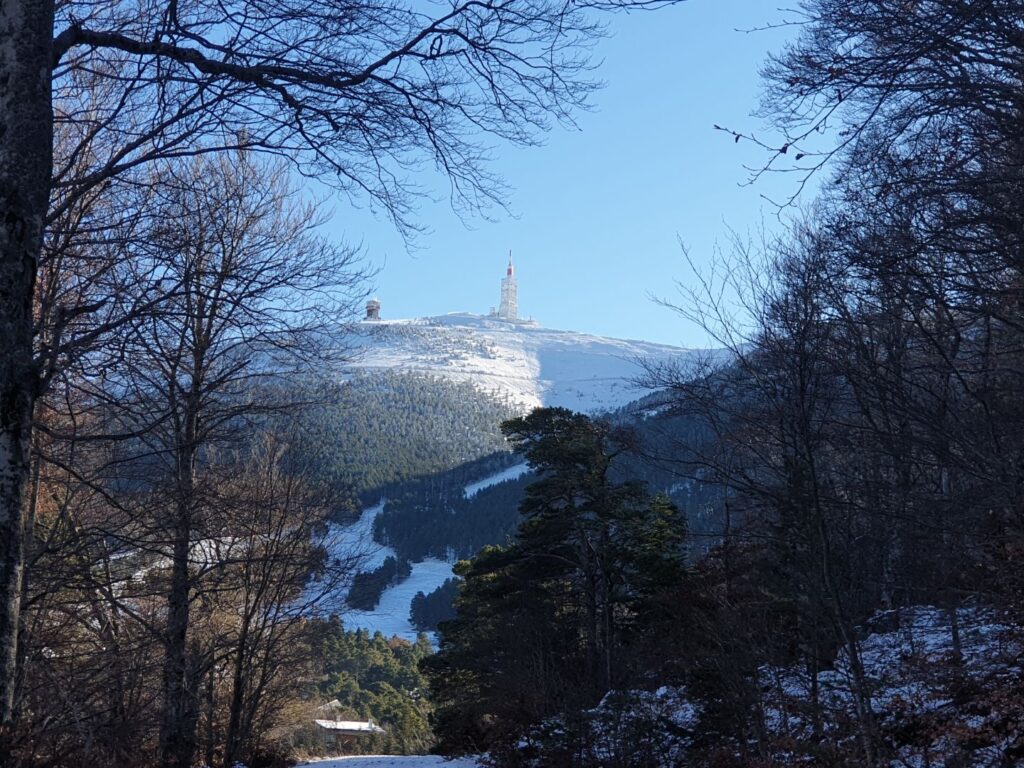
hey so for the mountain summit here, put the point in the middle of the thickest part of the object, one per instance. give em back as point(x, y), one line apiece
point(517, 360)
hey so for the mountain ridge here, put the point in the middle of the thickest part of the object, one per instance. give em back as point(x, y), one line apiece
point(520, 360)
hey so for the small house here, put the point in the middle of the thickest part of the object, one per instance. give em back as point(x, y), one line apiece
point(339, 735)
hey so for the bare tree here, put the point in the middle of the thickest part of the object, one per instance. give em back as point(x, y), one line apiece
point(864, 77)
point(360, 93)
point(780, 413)
point(25, 156)
point(253, 294)
point(278, 530)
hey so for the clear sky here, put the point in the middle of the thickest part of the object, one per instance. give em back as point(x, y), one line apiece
point(600, 212)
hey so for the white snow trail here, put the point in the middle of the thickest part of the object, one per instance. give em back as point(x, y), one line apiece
point(394, 761)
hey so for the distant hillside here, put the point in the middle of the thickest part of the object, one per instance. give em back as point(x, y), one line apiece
point(435, 517)
point(414, 421)
point(428, 520)
point(521, 361)
point(380, 429)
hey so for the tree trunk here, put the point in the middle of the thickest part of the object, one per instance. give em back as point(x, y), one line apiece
point(211, 708)
point(181, 668)
point(233, 740)
point(26, 164)
point(176, 746)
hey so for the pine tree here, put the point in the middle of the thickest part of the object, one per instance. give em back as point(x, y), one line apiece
point(543, 626)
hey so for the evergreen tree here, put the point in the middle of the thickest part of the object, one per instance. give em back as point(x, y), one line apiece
point(426, 612)
point(545, 625)
point(368, 586)
point(375, 678)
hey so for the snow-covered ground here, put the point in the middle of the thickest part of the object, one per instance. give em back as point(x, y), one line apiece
point(511, 473)
point(356, 540)
point(532, 365)
point(394, 761)
point(932, 708)
point(391, 616)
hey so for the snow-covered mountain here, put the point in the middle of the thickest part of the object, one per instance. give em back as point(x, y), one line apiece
point(519, 360)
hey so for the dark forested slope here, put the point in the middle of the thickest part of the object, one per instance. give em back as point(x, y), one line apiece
point(376, 431)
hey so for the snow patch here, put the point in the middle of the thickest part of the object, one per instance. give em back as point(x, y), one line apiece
point(356, 541)
point(531, 365)
point(511, 473)
point(391, 616)
point(394, 761)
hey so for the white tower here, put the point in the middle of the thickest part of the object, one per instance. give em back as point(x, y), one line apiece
point(373, 309)
point(508, 309)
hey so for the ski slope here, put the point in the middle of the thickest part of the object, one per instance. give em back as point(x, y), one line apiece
point(511, 473)
point(391, 616)
point(394, 761)
point(530, 365)
point(356, 541)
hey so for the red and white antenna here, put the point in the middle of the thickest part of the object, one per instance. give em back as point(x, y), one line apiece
point(509, 272)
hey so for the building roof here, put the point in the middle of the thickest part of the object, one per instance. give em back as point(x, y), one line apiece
point(349, 726)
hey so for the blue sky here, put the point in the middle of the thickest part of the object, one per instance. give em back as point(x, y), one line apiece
point(600, 212)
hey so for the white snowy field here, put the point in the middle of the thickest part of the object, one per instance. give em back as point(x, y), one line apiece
point(356, 540)
point(531, 365)
point(511, 473)
point(391, 616)
point(394, 761)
